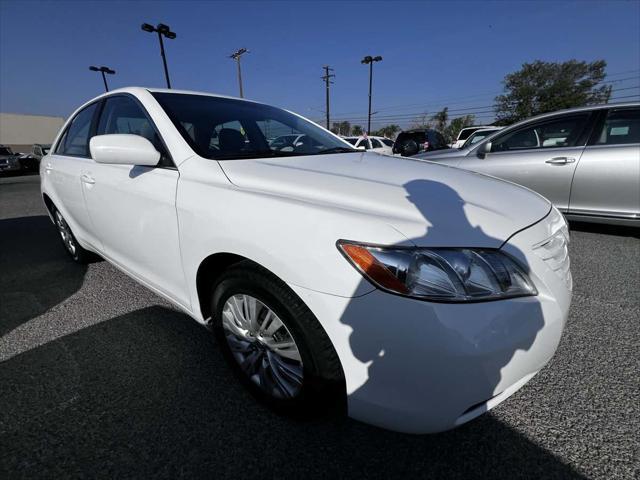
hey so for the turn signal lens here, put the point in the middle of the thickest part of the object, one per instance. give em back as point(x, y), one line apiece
point(440, 274)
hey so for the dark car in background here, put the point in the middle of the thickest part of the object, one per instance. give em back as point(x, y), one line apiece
point(9, 161)
point(420, 140)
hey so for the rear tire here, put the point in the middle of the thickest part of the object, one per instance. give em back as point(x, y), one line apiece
point(69, 241)
point(291, 366)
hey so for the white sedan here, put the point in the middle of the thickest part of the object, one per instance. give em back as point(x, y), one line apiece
point(413, 295)
point(375, 144)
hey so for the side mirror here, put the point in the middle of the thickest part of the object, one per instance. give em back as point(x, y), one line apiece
point(484, 149)
point(123, 149)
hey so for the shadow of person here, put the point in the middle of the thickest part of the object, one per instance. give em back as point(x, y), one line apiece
point(429, 363)
point(35, 272)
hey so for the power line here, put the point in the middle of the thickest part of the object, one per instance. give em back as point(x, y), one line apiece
point(444, 102)
point(467, 111)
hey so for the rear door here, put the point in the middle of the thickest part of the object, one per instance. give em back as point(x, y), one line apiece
point(63, 169)
point(132, 207)
point(541, 156)
point(607, 180)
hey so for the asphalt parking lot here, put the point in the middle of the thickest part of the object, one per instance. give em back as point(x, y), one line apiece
point(101, 378)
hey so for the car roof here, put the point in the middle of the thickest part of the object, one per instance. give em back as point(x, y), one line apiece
point(587, 108)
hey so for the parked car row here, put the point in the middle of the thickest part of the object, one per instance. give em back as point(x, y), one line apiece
point(12, 162)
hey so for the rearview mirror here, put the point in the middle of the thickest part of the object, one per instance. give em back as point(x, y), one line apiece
point(123, 149)
point(484, 149)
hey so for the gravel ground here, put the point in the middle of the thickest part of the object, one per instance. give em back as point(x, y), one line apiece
point(101, 378)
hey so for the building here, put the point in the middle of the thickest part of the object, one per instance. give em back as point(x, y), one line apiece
point(20, 131)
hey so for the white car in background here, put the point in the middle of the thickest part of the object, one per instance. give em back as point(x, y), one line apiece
point(375, 144)
point(416, 296)
point(466, 133)
point(479, 135)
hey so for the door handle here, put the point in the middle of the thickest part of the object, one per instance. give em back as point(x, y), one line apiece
point(48, 167)
point(560, 160)
point(87, 179)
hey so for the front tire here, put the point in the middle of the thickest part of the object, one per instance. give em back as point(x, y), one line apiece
point(275, 344)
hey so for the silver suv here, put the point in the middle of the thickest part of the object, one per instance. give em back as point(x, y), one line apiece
point(585, 160)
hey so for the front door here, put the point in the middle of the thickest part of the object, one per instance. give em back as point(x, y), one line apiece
point(541, 156)
point(133, 209)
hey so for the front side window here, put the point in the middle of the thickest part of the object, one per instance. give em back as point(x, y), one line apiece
point(375, 143)
point(621, 127)
point(75, 141)
point(555, 133)
point(123, 115)
point(227, 129)
point(387, 142)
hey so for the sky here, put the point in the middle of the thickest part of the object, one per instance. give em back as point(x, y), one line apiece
point(435, 54)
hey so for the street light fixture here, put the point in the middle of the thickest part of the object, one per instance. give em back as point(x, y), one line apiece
point(103, 70)
point(236, 56)
point(369, 60)
point(163, 31)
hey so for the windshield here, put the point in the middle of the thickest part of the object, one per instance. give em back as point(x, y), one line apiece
point(5, 151)
point(476, 137)
point(228, 129)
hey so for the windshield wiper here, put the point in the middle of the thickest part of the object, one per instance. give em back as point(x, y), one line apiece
point(337, 150)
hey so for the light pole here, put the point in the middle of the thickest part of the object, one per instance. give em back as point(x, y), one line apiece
point(163, 31)
point(103, 70)
point(236, 56)
point(369, 60)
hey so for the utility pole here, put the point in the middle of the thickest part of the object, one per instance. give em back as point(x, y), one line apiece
point(369, 60)
point(236, 56)
point(327, 80)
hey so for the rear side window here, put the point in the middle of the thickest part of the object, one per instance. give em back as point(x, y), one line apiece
point(75, 141)
point(553, 133)
point(375, 143)
point(621, 127)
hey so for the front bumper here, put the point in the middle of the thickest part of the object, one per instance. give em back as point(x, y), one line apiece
point(421, 367)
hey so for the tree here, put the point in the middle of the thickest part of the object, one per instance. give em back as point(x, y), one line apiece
point(440, 120)
point(457, 124)
point(421, 121)
point(341, 128)
point(357, 130)
point(388, 131)
point(541, 87)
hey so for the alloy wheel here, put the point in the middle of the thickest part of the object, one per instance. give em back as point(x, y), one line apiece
point(263, 346)
point(65, 232)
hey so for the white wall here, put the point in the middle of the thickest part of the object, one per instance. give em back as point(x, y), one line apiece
point(17, 129)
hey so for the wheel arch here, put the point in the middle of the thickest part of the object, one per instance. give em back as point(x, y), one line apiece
point(49, 204)
point(209, 270)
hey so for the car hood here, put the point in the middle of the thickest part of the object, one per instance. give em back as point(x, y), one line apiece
point(430, 204)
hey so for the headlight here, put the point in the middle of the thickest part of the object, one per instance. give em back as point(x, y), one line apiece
point(440, 274)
